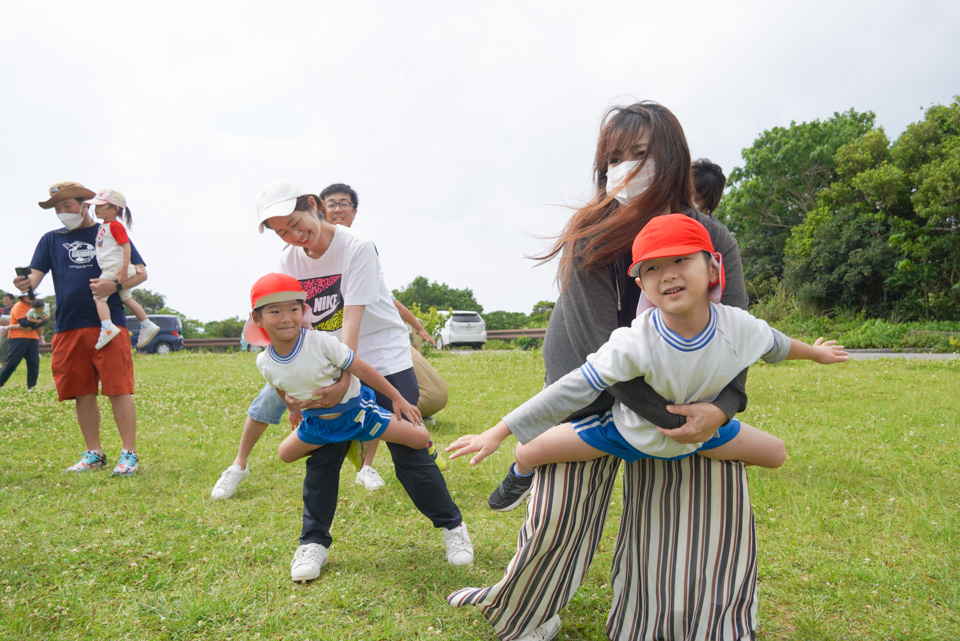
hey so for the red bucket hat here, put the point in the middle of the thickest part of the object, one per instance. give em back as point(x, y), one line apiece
point(272, 288)
point(675, 235)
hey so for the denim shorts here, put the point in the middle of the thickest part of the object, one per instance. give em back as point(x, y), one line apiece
point(599, 431)
point(267, 407)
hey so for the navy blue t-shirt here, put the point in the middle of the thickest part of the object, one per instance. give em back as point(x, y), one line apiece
point(72, 258)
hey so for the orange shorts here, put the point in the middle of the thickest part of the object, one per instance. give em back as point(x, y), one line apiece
point(78, 367)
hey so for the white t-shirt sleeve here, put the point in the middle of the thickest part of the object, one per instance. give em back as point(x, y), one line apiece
point(624, 357)
point(324, 347)
point(362, 275)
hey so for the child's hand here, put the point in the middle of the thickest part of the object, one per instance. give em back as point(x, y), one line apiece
point(405, 410)
point(486, 444)
point(828, 352)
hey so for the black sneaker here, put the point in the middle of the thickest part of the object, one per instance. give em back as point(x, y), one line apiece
point(511, 492)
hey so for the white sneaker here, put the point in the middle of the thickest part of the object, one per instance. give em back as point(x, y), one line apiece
point(308, 560)
point(459, 547)
point(227, 484)
point(106, 335)
point(545, 632)
point(368, 478)
point(147, 332)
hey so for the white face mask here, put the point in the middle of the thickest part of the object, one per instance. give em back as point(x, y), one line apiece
point(71, 221)
point(616, 174)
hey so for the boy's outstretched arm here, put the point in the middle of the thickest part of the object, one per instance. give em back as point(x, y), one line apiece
point(823, 352)
point(486, 443)
point(374, 379)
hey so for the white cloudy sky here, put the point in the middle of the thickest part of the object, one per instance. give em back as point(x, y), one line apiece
point(463, 126)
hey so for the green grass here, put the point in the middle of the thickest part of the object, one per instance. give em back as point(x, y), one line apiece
point(857, 532)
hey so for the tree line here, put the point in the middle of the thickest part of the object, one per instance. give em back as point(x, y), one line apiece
point(836, 215)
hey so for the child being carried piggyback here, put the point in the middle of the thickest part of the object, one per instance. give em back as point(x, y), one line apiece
point(113, 256)
point(299, 361)
point(686, 347)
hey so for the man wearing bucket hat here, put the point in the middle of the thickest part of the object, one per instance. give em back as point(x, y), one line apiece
point(79, 370)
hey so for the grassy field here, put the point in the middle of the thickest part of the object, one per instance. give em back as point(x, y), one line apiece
point(858, 532)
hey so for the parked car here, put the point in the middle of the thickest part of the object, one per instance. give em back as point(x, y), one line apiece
point(168, 339)
point(462, 328)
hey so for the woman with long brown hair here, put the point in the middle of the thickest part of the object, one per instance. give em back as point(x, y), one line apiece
point(685, 557)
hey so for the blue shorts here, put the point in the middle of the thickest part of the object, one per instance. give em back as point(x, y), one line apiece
point(365, 422)
point(599, 431)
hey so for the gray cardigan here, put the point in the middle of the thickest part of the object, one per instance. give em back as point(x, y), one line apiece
point(595, 302)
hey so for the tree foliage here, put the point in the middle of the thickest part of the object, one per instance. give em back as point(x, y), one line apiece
point(150, 301)
point(440, 295)
point(227, 328)
point(885, 236)
point(783, 173)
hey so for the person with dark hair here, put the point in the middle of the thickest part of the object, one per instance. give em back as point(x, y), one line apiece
point(79, 370)
point(340, 202)
point(24, 338)
point(665, 561)
point(708, 184)
point(9, 300)
point(347, 296)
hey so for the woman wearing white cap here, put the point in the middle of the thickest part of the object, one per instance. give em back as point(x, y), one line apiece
point(347, 296)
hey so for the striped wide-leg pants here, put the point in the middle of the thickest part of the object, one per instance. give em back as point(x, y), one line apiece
point(684, 565)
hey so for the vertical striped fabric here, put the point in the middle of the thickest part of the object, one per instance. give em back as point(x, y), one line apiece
point(684, 564)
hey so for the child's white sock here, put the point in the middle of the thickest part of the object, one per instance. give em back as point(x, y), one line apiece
point(107, 324)
point(145, 323)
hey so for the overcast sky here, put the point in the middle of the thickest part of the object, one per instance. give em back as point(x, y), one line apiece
point(465, 127)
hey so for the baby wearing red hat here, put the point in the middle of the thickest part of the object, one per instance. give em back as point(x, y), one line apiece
point(298, 361)
point(685, 346)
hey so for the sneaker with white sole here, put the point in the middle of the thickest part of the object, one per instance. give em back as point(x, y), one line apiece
point(511, 492)
point(127, 464)
point(368, 478)
point(147, 332)
point(459, 547)
point(229, 479)
point(89, 460)
point(106, 335)
point(307, 562)
point(546, 632)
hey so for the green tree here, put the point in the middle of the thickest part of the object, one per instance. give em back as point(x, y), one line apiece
point(440, 295)
point(775, 190)
point(150, 301)
point(540, 315)
point(227, 328)
point(885, 236)
point(505, 320)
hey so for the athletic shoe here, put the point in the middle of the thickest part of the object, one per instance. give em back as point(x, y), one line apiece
point(459, 547)
point(511, 492)
point(147, 332)
point(355, 454)
point(307, 562)
point(229, 479)
point(368, 478)
point(546, 632)
point(106, 335)
point(438, 458)
point(429, 421)
point(88, 461)
point(127, 464)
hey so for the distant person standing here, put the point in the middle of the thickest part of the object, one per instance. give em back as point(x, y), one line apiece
point(80, 370)
point(708, 185)
point(8, 302)
point(24, 339)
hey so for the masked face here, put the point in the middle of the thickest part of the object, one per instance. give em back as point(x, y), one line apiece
point(617, 174)
point(71, 221)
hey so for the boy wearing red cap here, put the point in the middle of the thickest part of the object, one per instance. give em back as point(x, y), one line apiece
point(298, 361)
point(685, 346)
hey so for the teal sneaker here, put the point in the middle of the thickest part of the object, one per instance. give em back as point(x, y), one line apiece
point(127, 464)
point(90, 460)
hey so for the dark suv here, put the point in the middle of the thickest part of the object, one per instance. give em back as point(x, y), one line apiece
point(168, 339)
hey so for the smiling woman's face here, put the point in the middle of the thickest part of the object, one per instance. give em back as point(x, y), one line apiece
point(301, 228)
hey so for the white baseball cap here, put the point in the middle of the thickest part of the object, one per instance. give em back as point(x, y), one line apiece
point(277, 198)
